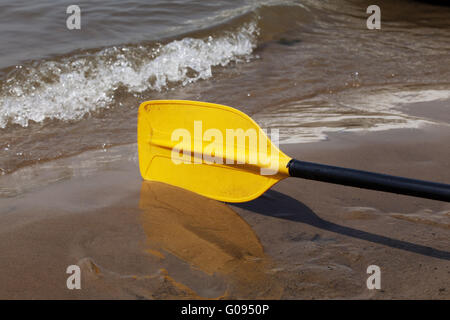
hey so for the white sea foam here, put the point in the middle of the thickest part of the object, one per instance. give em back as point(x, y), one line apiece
point(72, 87)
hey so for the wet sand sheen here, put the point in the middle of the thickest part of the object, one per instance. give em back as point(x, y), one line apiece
point(153, 242)
point(209, 236)
point(301, 240)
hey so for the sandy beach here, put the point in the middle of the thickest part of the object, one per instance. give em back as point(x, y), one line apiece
point(300, 240)
point(339, 90)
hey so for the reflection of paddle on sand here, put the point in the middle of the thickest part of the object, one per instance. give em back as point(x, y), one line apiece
point(210, 237)
point(225, 155)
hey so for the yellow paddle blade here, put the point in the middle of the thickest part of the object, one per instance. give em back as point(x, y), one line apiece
point(213, 150)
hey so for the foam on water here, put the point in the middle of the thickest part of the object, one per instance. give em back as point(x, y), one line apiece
point(71, 87)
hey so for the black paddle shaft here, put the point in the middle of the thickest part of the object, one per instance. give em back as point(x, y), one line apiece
point(369, 180)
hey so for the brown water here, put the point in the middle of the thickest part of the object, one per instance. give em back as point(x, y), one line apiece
point(306, 67)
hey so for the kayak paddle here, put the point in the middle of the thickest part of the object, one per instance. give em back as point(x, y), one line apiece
point(221, 153)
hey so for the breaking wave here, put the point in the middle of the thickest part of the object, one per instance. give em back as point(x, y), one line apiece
point(68, 88)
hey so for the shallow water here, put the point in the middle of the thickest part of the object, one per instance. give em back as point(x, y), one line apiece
point(305, 67)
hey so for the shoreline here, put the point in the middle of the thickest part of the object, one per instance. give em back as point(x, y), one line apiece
point(300, 240)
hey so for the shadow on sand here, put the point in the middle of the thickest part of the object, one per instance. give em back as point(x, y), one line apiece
point(276, 204)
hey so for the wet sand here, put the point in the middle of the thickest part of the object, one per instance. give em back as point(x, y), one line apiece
point(300, 240)
point(325, 236)
point(70, 190)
